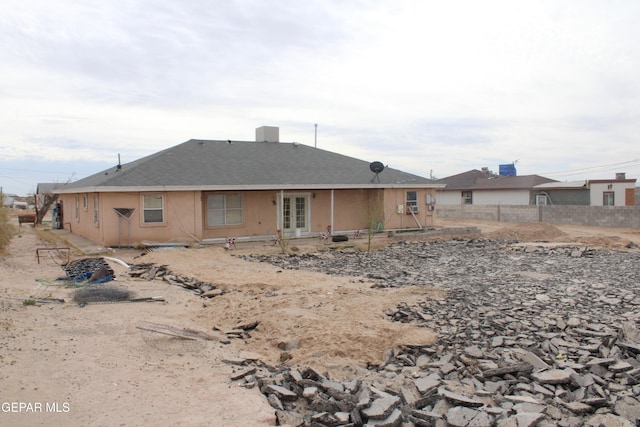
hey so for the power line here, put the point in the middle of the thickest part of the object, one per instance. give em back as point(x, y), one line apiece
point(600, 168)
point(29, 170)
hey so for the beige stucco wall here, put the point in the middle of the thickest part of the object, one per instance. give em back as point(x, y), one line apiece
point(182, 221)
point(393, 198)
point(185, 214)
point(258, 216)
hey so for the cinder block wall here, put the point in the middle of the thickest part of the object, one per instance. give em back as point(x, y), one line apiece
point(593, 216)
point(513, 213)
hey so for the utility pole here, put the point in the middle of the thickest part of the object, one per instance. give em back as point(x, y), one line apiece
point(315, 144)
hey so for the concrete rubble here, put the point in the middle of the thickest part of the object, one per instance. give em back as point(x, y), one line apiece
point(528, 336)
point(161, 272)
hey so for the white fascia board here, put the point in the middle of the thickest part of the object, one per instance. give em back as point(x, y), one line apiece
point(160, 188)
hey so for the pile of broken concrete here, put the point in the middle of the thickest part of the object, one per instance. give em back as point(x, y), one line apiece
point(528, 336)
point(150, 271)
point(441, 386)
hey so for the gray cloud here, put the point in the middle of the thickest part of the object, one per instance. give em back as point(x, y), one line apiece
point(413, 82)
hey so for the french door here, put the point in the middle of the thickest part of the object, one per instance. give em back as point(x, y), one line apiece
point(295, 214)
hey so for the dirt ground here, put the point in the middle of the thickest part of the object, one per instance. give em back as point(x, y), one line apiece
point(63, 364)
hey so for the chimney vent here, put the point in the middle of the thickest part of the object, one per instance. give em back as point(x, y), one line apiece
point(268, 134)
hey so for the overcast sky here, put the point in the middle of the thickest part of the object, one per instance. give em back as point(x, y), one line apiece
point(433, 88)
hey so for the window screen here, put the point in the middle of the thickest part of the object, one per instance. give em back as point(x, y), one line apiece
point(224, 209)
point(153, 208)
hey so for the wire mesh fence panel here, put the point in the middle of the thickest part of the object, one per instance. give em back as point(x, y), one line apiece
point(171, 339)
point(101, 293)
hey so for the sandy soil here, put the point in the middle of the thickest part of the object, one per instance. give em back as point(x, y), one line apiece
point(63, 364)
point(595, 237)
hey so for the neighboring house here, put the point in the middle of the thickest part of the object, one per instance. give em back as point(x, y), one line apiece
point(204, 190)
point(13, 201)
point(45, 198)
point(596, 192)
point(482, 187)
point(563, 193)
point(7, 201)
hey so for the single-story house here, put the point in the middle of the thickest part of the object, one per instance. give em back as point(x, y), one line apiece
point(211, 190)
point(44, 199)
point(483, 187)
point(594, 192)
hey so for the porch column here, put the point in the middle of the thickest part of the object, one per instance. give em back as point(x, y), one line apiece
point(280, 214)
point(332, 227)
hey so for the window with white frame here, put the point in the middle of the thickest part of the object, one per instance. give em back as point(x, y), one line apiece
point(77, 207)
point(224, 209)
point(153, 208)
point(412, 201)
point(85, 202)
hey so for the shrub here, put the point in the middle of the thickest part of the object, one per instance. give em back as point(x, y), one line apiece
point(7, 230)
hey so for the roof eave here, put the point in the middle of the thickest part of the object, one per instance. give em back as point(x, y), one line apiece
point(163, 188)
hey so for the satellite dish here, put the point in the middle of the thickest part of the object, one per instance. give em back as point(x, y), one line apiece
point(376, 167)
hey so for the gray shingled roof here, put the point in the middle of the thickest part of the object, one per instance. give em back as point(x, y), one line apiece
point(478, 180)
point(464, 180)
point(205, 164)
point(522, 182)
point(48, 187)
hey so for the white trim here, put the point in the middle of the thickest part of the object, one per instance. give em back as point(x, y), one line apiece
point(291, 232)
point(332, 210)
point(288, 187)
point(161, 209)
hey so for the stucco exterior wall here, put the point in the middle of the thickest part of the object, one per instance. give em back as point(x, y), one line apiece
point(185, 214)
point(618, 189)
point(260, 213)
point(181, 221)
point(452, 197)
point(259, 216)
point(486, 197)
point(501, 197)
point(396, 198)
